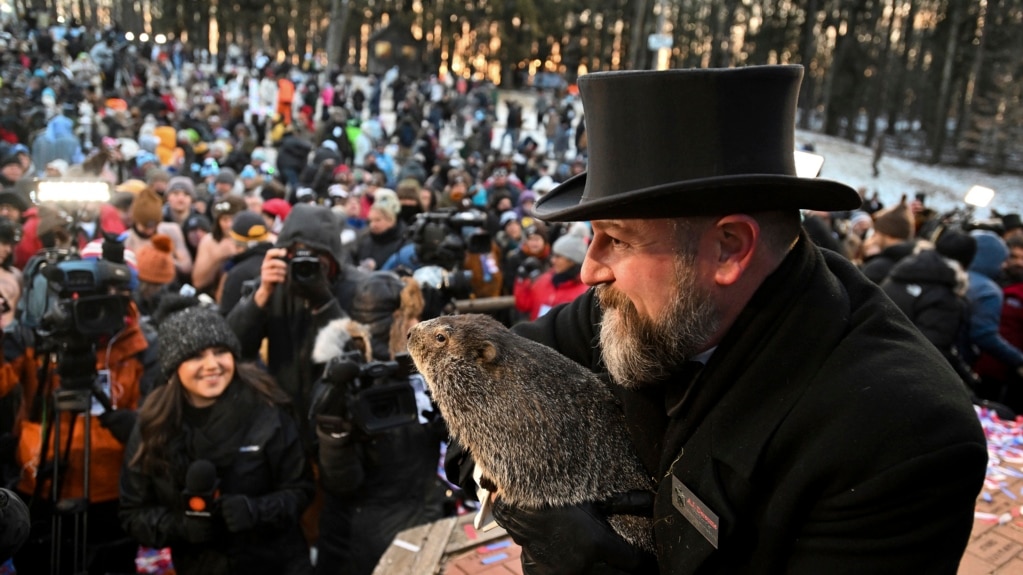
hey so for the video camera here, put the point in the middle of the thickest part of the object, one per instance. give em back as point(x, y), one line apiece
point(441, 239)
point(91, 301)
point(374, 396)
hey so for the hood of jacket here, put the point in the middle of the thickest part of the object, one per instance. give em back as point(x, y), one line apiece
point(315, 226)
point(60, 127)
point(991, 254)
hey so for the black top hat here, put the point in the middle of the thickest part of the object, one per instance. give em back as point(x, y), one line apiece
point(1011, 222)
point(686, 142)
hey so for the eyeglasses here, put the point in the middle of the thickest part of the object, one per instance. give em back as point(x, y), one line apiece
point(500, 172)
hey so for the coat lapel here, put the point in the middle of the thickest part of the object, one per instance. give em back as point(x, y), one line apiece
point(717, 431)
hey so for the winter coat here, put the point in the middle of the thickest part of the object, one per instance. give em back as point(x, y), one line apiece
point(930, 290)
point(1011, 329)
point(257, 453)
point(986, 299)
point(289, 326)
point(538, 297)
point(133, 369)
point(379, 247)
point(878, 267)
point(824, 434)
point(242, 268)
point(379, 484)
point(58, 142)
point(293, 153)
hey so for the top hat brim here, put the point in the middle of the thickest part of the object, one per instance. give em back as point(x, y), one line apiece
point(717, 195)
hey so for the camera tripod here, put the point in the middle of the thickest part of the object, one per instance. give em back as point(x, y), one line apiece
point(80, 386)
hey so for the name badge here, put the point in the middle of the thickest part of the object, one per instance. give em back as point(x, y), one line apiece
point(695, 511)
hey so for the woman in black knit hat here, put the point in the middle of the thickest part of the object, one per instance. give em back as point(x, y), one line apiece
point(215, 469)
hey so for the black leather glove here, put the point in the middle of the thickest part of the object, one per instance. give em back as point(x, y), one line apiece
point(197, 529)
point(571, 539)
point(529, 268)
point(119, 422)
point(238, 513)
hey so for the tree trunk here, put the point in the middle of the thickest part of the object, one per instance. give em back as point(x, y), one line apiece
point(938, 131)
point(637, 47)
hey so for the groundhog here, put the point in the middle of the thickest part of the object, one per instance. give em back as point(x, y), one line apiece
point(543, 429)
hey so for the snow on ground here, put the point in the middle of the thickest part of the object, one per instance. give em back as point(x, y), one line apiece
point(945, 186)
point(850, 163)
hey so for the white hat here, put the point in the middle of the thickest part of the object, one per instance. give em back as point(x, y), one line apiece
point(570, 246)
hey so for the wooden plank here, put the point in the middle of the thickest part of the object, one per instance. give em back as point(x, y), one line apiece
point(417, 550)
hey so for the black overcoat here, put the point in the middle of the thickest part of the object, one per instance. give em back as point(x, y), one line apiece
point(824, 435)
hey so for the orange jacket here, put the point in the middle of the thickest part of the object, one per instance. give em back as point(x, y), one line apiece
point(106, 452)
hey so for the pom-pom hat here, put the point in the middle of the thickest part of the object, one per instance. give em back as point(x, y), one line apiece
point(154, 260)
point(687, 142)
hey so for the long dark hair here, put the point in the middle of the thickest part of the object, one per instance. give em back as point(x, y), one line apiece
point(160, 416)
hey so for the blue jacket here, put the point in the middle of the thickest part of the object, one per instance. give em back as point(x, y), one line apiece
point(985, 297)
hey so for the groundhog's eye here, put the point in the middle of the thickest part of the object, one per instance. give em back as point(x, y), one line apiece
point(441, 338)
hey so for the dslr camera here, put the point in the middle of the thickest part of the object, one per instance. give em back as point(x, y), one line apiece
point(303, 266)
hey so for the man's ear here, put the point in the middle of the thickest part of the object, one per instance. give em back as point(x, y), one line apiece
point(736, 238)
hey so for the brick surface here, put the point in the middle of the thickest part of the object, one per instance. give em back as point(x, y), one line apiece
point(496, 558)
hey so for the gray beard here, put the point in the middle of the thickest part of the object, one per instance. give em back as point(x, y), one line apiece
point(640, 351)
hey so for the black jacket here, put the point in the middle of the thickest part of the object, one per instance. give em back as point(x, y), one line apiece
point(257, 453)
point(824, 435)
point(878, 267)
point(243, 267)
point(289, 326)
point(379, 247)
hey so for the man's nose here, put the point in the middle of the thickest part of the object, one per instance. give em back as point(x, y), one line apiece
point(594, 272)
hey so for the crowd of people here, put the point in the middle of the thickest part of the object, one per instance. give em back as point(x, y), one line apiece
point(274, 220)
point(285, 211)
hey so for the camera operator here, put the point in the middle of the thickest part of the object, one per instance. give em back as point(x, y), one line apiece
point(57, 359)
point(303, 286)
point(214, 469)
point(377, 480)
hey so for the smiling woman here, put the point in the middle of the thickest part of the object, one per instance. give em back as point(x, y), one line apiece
point(230, 422)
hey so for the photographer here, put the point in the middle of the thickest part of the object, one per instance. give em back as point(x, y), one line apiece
point(303, 286)
point(214, 468)
point(118, 350)
point(376, 482)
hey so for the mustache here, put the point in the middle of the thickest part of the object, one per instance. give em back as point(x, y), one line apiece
point(610, 298)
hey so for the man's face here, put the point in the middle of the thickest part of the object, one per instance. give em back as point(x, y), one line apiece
point(10, 212)
point(658, 311)
point(179, 200)
point(1014, 265)
point(12, 171)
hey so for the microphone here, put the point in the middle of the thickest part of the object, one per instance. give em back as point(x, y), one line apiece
point(201, 488)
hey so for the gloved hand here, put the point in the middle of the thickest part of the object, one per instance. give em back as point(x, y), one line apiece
point(119, 422)
point(238, 513)
point(571, 539)
point(197, 529)
point(529, 268)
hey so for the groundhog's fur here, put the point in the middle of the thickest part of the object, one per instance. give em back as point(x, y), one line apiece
point(544, 430)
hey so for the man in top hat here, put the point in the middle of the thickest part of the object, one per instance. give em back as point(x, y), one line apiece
point(790, 419)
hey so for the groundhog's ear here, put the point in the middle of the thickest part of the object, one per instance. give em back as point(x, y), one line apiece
point(489, 352)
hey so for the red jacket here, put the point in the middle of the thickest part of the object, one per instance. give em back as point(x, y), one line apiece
point(539, 296)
